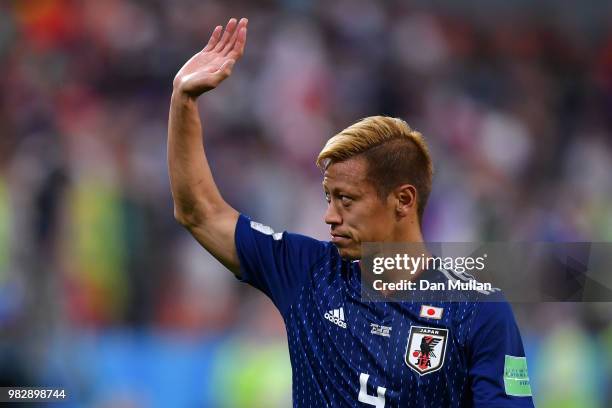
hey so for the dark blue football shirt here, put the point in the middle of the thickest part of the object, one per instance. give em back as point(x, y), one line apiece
point(349, 353)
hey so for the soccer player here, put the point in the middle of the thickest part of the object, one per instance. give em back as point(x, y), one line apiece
point(346, 352)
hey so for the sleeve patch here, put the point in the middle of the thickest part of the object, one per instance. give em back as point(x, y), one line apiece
point(516, 379)
point(264, 229)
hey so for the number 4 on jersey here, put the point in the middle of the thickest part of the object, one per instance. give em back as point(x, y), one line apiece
point(378, 401)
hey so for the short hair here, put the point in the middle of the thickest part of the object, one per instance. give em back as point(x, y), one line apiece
point(395, 154)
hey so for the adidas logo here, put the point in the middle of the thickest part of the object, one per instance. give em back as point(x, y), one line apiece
point(336, 316)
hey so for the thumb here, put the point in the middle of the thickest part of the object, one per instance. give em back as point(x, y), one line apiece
point(229, 64)
point(226, 69)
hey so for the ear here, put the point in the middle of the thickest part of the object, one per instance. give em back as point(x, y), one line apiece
point(405, 200)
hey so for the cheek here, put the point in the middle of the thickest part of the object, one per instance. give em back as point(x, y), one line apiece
point(374, 224)
point(362, 226)
point(374, 231)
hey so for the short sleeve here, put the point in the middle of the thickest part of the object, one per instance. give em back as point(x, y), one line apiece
point(277, 263)
point(497, 362)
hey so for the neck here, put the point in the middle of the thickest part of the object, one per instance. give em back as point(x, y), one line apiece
point(407, 231)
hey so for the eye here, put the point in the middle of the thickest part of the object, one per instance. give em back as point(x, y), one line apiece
point(346, 201)
point(327, 197)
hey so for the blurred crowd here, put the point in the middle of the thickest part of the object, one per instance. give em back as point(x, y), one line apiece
point(102, 290)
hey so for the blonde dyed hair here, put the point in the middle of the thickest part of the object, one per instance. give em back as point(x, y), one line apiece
point(396, 154)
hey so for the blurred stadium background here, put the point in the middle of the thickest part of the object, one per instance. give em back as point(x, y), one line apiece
point(101, 291)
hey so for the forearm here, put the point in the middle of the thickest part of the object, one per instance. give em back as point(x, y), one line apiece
point(194, 191)
point(198, 205)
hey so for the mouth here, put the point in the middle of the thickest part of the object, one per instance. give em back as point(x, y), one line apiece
point(338, 239)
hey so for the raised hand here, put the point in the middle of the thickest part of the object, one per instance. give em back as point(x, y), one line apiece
point(209, 67)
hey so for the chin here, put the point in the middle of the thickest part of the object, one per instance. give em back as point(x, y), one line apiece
point(350, 254)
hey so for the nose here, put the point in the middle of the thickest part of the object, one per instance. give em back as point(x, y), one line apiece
point(332, 216)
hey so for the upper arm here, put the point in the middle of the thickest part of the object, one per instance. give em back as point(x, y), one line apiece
point(216, 235)
point(277, 263)
point(497, 362)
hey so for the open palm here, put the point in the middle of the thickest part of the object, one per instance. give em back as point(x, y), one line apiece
point(209, 67)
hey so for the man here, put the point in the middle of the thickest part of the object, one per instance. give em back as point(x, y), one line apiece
point(346, 352)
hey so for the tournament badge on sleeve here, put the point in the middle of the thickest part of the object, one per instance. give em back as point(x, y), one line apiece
point(426, 349)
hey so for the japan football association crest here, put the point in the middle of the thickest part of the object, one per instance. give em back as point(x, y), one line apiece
point(426, 349)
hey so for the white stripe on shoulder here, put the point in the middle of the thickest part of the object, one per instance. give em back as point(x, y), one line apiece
point(445, 273)
point(466, 277)
point(264, 229)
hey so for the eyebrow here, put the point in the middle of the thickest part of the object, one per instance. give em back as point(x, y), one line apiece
point(344, 190)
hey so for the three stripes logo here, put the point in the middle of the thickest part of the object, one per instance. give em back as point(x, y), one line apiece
point(336, 316)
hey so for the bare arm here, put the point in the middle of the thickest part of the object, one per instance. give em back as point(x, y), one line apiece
point(198, 205)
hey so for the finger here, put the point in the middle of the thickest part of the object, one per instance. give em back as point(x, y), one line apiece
point(230, 44)
point(238, 48)
point(214, 38)
point(229, 30)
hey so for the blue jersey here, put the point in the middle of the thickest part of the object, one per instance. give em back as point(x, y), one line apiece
point(349, 353)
